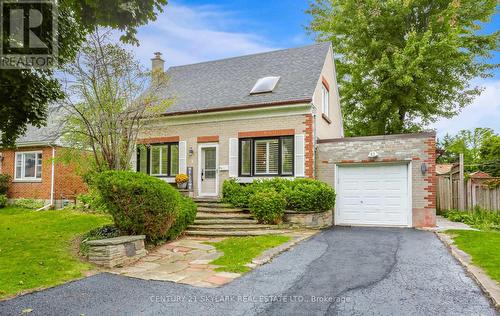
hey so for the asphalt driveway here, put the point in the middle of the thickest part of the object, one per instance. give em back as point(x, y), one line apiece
point(346, 271)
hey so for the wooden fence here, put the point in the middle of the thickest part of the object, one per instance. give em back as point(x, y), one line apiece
point(448, 192)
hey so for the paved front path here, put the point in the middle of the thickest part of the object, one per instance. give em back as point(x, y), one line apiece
point(340, 271)
point(444, 224)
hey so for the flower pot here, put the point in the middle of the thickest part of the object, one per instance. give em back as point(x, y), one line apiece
point(182, 185)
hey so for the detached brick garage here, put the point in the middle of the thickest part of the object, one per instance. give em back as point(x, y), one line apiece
point(395, 185)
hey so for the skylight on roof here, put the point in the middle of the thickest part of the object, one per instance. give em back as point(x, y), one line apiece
point(266, 84)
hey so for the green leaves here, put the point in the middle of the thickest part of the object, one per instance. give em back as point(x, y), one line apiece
point(403, 64)
point(481, 149)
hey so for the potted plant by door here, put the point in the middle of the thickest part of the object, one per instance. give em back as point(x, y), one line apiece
point(182, 180)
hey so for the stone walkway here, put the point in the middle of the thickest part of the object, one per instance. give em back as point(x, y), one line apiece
point(187, 260)
point(443, 223)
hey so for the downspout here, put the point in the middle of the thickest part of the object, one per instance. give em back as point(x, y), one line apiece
point(314, 138)
point(51, 204)
point(52, 177)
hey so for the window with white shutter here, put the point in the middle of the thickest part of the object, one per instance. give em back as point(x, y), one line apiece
point(266, 156)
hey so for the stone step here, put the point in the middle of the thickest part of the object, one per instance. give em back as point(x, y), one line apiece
point(214, 205)
point(249, 226)
point(224, 221)
point(218, 210)
point(207, 200)
point(213, 215)
point(233, 232)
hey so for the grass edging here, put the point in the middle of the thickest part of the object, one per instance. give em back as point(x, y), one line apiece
point(268, 254)
point(485, 283)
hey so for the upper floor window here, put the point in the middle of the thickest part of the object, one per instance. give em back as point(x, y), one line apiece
point(160, 160)
point(266, 156)
point(28, 166)
point(325, 100)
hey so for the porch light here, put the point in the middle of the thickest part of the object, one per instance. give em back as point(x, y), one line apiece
point(423, 168)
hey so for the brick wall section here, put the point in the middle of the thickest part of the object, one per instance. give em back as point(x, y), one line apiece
point(418, 148)
point(34, 190)
point(208, 139)
point(164, 139)
point(309, 145)
point(269, 133)
point(67, 184)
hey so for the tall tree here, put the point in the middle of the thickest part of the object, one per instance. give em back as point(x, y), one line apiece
point(109, 98)
point(480, 147)
point(25, 94)
point(403, 64)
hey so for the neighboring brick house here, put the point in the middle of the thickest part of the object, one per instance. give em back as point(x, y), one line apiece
point(277, 114)
point(36, 173)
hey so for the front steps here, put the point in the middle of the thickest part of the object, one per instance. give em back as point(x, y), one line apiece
point(219, 219)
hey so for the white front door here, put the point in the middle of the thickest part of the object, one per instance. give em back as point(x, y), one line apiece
point(208, 166)
point(373, 195)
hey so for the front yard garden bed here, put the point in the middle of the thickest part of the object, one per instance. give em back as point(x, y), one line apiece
point(36, 247)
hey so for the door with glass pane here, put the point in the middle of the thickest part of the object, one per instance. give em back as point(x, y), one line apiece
point(208, 171)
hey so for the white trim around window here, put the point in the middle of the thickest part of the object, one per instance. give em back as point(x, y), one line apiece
point(325, 99)
point(28, 166)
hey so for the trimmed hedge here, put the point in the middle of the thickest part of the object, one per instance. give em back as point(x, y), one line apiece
point(301, 195)
point(268, 206)
point(140, 204)
point(184, 217)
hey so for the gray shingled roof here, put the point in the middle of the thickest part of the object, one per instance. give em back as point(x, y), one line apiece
point(44, 135)
point(227, 83)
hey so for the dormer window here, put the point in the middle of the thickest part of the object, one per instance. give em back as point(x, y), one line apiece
point(265, 85)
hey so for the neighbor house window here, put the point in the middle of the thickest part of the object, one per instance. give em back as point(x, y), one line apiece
point(161, 160)
point(28, 166)
point(266, 156)
point(325, 100)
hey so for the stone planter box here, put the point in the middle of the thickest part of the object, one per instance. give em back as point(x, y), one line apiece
point(116, 251)
point(309, 219)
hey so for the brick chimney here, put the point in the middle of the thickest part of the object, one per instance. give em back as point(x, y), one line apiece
point(157, 64)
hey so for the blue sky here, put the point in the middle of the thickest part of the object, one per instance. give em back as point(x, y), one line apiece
point(190, 31)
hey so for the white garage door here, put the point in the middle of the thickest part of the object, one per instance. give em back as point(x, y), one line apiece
point(374, 195)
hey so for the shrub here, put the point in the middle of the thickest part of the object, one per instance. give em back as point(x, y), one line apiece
point(302, 195)
point(235, 193)
point(185, 217)
point(140, 204)
point(3, 200)
point(268, 206)
point(4, 183)
point(310, 196)
point(28, 203)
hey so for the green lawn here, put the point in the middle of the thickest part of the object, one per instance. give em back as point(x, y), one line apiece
point(36, 249)
point(483, 246)
point(239, 251)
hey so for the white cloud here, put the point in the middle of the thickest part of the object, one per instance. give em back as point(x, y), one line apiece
point(483, 112)
point(193, 34)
